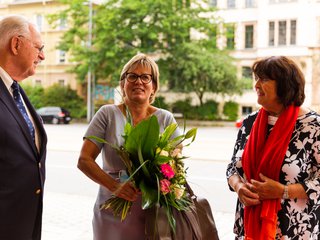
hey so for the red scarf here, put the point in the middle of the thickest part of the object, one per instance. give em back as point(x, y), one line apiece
point(265, 155)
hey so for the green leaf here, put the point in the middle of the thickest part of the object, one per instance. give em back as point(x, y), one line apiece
point(145, 134)
point(149, 195)
point(158, 189)
point(161, 159)
point(142, 164)
point(177, 139)
point(132, 174)
point(100, 140)
point(127, 131)
point(166, 135)
point(191, 133)
point(123, 154)
point(171, 220)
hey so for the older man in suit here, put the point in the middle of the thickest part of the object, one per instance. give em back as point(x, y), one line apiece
point(22, 137)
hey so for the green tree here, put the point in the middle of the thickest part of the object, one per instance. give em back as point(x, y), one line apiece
point(161, 103)
point(56, 95)
point(230, 110)
point(202, 69)
point(156, 27)
point(35, 94)
point(123, 28)
point(65, 97)
point(207, 111)
point(246, 83)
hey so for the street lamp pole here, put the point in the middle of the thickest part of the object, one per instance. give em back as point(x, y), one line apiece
point(89, 91)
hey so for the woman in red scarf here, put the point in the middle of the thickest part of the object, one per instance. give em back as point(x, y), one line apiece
point(275, 166)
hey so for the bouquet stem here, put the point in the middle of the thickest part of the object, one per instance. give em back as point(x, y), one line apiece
point(119, 206)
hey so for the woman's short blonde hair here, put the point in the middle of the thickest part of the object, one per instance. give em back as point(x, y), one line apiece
point(142, 60)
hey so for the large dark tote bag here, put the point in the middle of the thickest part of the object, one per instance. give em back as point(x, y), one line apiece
point(196, 223)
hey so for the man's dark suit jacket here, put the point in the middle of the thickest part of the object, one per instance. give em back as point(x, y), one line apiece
point(22, 171)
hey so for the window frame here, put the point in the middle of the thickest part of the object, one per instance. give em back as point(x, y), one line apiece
point(249, 36)
point(282, 32)
point(231, 4)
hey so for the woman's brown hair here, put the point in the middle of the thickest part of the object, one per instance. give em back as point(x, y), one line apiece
point(289, 78)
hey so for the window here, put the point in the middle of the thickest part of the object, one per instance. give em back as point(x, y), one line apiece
point(318, 29)
point(62, 23)
point(231, 4)
point(39, 22)
point(246, 110)
point(246, 72)
point(250, 3)
point(62, 56)
point(249, 36)
point(38, 82)
point(61, 82)
point(230, 37)
point(271, 33)
point(281, 1)
point(282, 33)
point(246, 80)
point(293, 32)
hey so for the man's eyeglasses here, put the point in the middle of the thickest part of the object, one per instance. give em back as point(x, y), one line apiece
point(132, 78)
point(40, 49)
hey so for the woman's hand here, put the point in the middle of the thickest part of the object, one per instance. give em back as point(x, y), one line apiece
point(267, 188)
point(126, 190)
point(88, 166)
point(245, 194)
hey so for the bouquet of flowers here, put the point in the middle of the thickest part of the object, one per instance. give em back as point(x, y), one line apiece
point(154, 163)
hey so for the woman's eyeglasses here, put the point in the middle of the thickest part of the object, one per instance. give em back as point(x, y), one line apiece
point(132, 78)
point(263, 80)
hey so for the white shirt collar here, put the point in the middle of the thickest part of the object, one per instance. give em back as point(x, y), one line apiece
point(272, 120)
point(7, 80)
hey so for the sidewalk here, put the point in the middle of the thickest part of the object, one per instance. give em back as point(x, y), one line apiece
point(68, 217)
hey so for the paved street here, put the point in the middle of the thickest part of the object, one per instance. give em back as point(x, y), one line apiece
point(70, 195)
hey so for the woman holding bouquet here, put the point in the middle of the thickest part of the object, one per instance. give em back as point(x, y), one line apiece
point(139, 82)
point(275, 166)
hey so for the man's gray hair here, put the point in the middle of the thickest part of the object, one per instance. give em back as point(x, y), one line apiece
point(11, 26)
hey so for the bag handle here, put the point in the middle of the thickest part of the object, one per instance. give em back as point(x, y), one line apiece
point(192, 195)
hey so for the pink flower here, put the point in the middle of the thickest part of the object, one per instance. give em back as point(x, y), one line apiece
point(167, 170)
point(165, 186)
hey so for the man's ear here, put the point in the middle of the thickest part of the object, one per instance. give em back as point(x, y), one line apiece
point(15, 45)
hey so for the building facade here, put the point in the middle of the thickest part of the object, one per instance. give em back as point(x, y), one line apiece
point(252, 29)
point(54, 69)
point(262, 28)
